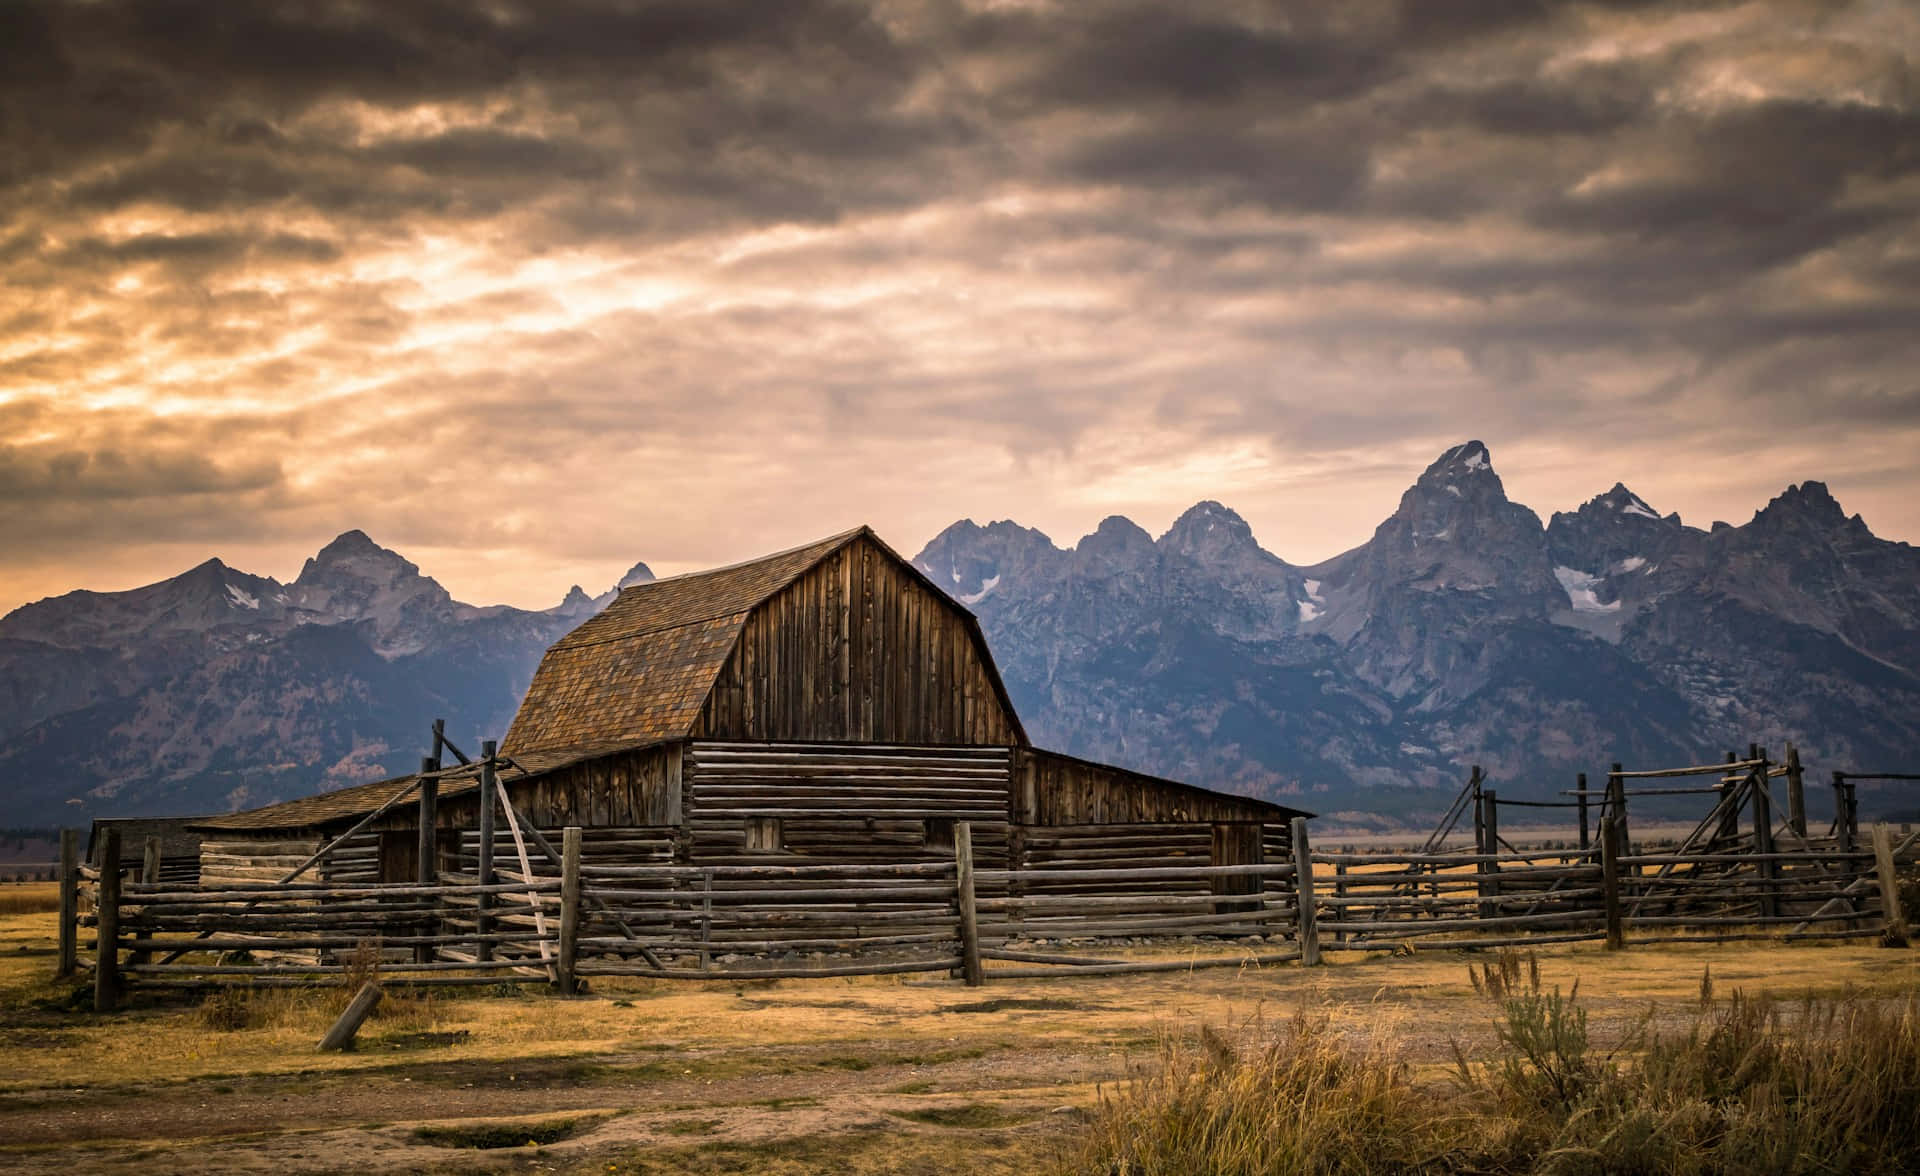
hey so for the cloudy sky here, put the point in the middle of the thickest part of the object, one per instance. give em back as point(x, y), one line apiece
point(530, 289)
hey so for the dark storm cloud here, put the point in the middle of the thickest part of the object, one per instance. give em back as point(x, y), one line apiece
point(268, 256)
point(30, 477)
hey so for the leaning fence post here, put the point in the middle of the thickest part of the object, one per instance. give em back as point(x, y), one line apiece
point(69, 903)
point(1610, 837)
point(569, 907)
point(358, 1010)
point(970, 970)
point(1895, 934)
point(106, 967)
point(1580, 794)
point(1308, 927)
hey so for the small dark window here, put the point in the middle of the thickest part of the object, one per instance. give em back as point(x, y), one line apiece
point(763, 835)
point(939, 833)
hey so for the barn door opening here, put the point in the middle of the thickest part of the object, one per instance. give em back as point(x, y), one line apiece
point(399, 855)
point(1237, 845)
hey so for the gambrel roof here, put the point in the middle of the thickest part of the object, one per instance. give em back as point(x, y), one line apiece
point(641, 670)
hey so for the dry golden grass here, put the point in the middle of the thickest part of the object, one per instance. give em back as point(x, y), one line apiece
point(1745, 1083)
point(836, 1068)
point(29, 898)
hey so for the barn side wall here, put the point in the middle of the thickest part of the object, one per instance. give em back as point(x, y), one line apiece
point(255, 857)
point(1075, 814)
point(844, 804)
point(859, 650)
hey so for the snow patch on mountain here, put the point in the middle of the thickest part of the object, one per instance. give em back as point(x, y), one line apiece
point(986, 589)
point(242, 599)
point(1580, 588)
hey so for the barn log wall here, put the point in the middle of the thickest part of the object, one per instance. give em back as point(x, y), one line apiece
point(859, 649)
point(1076, 814)
point(261, 856)
point(871, 803)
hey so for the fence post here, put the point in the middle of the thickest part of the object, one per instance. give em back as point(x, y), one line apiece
point(1610, 838)
point(1763, 838)
point(483, 917)
point(106, 967)
point(1796, 793)
point(706, 919)
point(1308, 926)
point(1580, 789)
point(1479, 815)
point(1340, 894)
point(1846, 814)
point(150, 858)
point(569, 908)
point(69, 903)
point(1617, 803)
point(970, 970)
point(426, 864)
point(1729, 829)
point(1490, 885)
point(1895, 934)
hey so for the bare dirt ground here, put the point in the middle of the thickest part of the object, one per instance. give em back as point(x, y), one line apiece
point(851, 1076)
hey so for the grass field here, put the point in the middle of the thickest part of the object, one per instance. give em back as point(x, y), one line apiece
point(859, 1076)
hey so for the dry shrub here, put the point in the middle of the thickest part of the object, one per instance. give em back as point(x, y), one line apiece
point(315, 1008)
point(1749, 1084)
point(1306, 1101)
point(243, 1007)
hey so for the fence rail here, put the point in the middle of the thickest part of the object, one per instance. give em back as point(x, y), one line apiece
point(580, 919)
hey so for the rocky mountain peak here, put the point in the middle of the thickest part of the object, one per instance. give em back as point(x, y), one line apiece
point(1808, 503)
point(1117, 537)
point(1453, 494)
point(1209, 531)
point(1466, 468)
point(1623, 501)
point(355, 579)
point(970, 561)
point(639, 573)
point(354, 553)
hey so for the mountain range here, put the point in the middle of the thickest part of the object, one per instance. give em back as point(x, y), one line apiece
point(1463, 631)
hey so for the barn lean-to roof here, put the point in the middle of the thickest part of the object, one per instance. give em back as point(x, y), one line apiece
point(357, 800)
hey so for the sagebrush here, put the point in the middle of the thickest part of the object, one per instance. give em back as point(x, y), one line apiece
point(1744, 1085)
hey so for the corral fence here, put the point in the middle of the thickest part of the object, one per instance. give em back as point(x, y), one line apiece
point(729, 922)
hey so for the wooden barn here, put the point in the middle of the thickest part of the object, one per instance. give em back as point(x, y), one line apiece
point(826, 703)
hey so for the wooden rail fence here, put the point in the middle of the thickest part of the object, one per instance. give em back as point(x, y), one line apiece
point(736, 921)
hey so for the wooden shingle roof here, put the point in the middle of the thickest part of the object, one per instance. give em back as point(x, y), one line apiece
point(345, 804)
point(641, 670)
